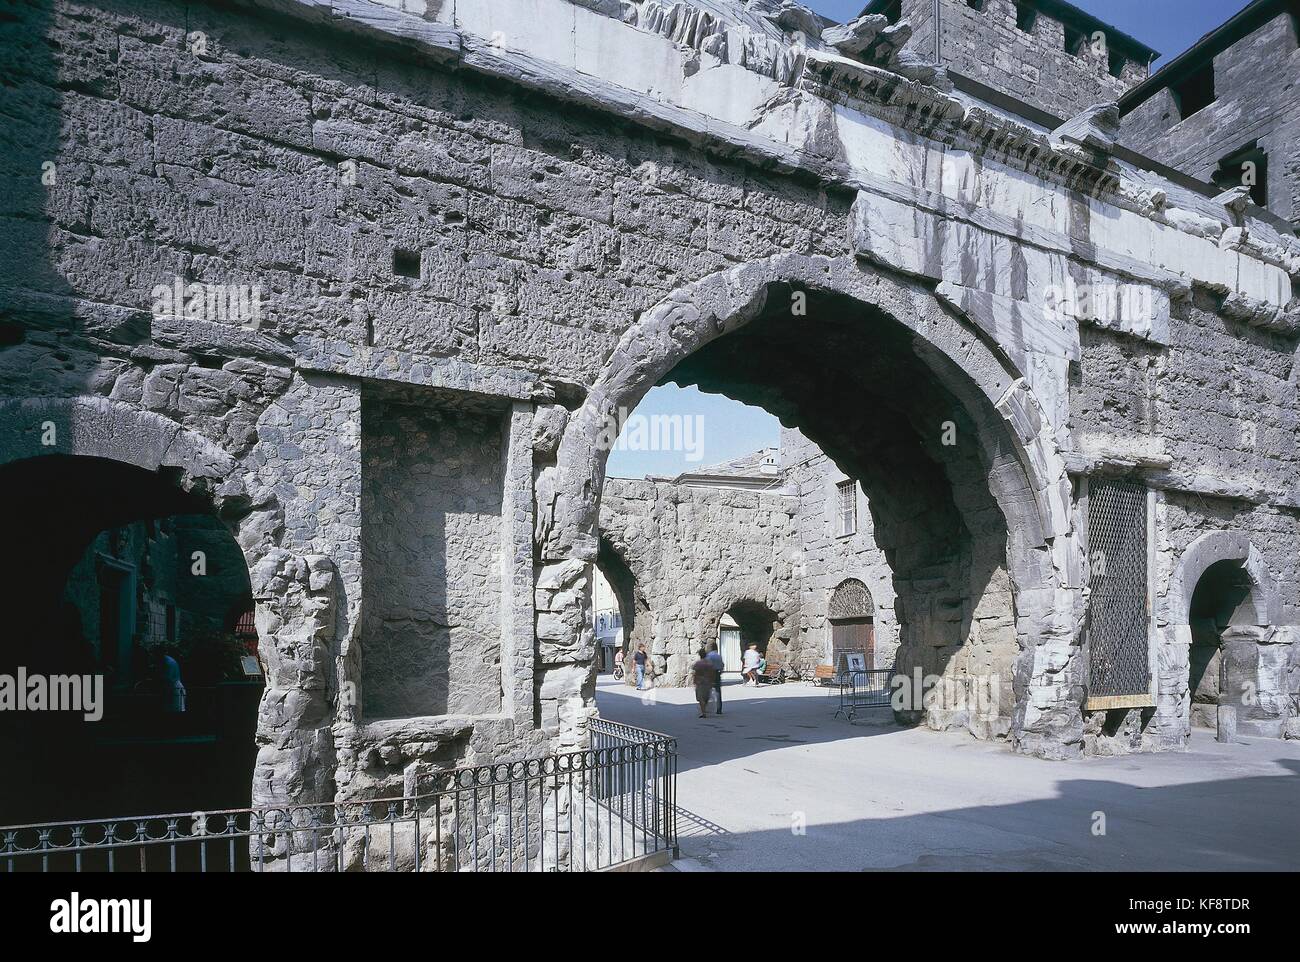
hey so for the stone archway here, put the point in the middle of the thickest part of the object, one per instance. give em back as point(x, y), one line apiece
point(294, 595)
point(633, 608)
point(749, 622)
point(1020, 470)
point(1211, 548)
point(852, 616)
point(1220, 614)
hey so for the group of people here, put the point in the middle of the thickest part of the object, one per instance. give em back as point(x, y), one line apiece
point(706, 673)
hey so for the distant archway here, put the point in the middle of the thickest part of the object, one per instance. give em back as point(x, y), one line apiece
point(748, 623)
point(633, 609)
point(852, 616)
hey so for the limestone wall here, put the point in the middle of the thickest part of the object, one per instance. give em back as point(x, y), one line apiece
point(695, 552)
point(826, 558)
point(551, 225)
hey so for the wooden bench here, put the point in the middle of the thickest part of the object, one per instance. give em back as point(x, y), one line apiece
point(823, 675)
point(771, 675)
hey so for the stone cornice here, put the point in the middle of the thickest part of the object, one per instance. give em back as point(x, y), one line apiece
point(829, 78)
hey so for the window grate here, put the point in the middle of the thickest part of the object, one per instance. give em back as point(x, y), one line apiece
point(847, 494)
point(1118, 617)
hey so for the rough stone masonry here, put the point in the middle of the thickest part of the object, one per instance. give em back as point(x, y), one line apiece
point(468, 233)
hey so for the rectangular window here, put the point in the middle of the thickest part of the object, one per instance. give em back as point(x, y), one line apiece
point(1247, 167)
point(1115, 63)
point(1025, 17)
point(1075, 40)
point(847, 499)
point(894, 11)
point(1117, 634)
point(1195, 92)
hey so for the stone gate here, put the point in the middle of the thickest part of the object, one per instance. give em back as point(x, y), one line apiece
point(376, 278)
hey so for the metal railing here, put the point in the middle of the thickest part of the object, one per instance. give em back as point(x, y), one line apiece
point(858, 690)
point(574, 811)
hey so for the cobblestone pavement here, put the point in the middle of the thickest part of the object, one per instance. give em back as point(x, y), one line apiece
point(872, 796)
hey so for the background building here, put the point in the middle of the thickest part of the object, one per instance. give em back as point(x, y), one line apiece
point(1227, 110)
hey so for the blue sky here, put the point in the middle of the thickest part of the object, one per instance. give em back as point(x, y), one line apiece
point(730, 429)
point(1170, 26)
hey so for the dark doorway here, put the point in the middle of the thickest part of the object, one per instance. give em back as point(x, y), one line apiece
point(1221, 599)
point(121, 579)
point(748, 623)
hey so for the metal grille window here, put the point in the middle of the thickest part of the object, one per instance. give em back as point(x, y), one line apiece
point(847, 499)
point(1119, 672)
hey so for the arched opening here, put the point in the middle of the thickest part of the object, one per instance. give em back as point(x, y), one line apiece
point(623, 604)
point(748, 623)
point(852, 617)
point(1217, 669)
point(907, 398)
point(889, 411)
point(137, 606)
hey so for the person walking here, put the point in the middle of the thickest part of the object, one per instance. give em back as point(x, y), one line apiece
point(703, 674)
point(715, 659)
point(750, 665)
point(640, 658)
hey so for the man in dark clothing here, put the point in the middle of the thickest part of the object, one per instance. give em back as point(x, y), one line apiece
point(640, 658)
point(715, 659)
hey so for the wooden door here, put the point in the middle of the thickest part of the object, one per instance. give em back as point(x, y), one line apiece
point(853, 634)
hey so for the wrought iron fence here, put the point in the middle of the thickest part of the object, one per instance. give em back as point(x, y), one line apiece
point(858, 690)
point(574, 811)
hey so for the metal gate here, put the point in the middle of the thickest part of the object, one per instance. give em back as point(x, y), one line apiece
point(1119, 670)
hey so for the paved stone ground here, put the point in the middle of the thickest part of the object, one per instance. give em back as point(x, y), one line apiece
point(876, 796)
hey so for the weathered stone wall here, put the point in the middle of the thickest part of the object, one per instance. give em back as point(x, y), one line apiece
point(695, 552)
point(431, 495)
point(1254, 100)
point(827, 558)
point(1209, 422)
point(986, 45)
point(579, 207)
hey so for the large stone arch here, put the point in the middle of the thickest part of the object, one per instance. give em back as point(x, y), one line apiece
point(295, 595)
point(1024, 470)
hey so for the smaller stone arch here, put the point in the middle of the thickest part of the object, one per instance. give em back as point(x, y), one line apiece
point(757, 622)
point(1212, 548)
point(1186, 664)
